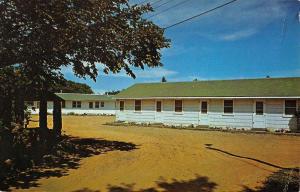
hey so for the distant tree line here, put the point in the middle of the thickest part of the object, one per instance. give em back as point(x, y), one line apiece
point(68, 86)
point(112, 92)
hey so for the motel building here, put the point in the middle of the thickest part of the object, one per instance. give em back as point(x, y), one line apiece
point(76, 103)
point(270, 103)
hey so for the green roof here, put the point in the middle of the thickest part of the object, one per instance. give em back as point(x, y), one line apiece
point(83, 97)
point(267, 87)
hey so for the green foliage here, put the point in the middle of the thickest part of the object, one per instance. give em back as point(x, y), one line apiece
point(73, 87)
point(51, 34)
point(27, 117)
point(163, 79)
point(112, 92)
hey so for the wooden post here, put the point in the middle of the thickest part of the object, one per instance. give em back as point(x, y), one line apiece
point(57, 120)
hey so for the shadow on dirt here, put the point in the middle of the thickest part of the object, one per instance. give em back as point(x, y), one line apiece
point(86, 190)
point(286, 180)
point(198, 184)
point(208, 146)
point(65, 155)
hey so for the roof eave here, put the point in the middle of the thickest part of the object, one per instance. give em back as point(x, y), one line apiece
point(221, 97)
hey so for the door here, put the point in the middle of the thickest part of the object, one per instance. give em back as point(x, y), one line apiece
point(158, 111)
point(259, 118)
point(203, 113)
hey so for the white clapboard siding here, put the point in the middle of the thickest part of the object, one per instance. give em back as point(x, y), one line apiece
point(108, 109)
point(240, 118)
point(243, 115)
point(276, 118)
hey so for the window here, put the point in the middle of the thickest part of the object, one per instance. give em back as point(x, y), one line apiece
point(121, 105)
point(76, 104)
point(178, 105)
point(91, 105)
point(290, 107)
point(102, 103)
point(259, 108)
point(63, 104)
point(73, 104)
point(138, 105)
point(228, 106)
point(97, 104)
point(204, 107)
point(158, 106)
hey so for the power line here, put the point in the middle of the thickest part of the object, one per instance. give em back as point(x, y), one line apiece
point(200, 14)
point(163, 4)
point(176, 5)
point(142, 2)
point(155, 2)
point(149, 1)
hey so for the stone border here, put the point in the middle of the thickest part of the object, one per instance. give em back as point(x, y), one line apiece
point(201, 128)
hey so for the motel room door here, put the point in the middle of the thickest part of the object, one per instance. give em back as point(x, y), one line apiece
point(158, 111)
point(259, 117)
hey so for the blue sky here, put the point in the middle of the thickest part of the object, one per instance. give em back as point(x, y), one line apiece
point(247, 39)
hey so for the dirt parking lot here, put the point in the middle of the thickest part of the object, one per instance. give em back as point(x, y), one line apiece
point(171, 160)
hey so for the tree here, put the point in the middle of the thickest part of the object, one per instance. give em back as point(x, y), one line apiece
point(67, 86)
point(112, 92)
point(80, 33)
point(43, 36)
point(163, 79)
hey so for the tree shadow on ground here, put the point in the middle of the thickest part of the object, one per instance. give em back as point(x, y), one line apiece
point(208, 146)
point(63, 156)
point(86, 190)
point(285, 180)
point(199, 184)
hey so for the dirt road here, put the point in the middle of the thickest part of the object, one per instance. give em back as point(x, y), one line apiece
point(171, 160)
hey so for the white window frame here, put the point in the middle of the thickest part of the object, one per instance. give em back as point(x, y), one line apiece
point(182, 104)
point(229, 114)
point(264, 107)
point(297, 107)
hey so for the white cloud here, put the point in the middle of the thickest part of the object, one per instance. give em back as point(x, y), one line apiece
point(238, 35)
point(99, 91)
point(154, 73)
point(238, 20)
point(148, 73)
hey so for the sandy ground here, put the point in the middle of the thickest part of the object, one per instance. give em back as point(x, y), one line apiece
point(173, 160)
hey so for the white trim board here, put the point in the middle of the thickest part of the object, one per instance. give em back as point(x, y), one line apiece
point(141, 98)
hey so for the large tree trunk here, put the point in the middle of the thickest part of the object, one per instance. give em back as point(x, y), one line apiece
point(43, 112)
point(6, 115)
point(19, 107)
point(57, 120)
point(6, 111)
